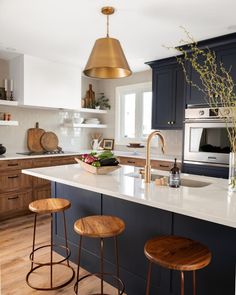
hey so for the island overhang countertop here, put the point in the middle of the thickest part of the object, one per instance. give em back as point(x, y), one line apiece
point(211, 203)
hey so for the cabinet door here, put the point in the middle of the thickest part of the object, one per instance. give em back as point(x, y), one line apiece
point(178, 99)
point(193, 95)
point(228, 58)
point(162, 98)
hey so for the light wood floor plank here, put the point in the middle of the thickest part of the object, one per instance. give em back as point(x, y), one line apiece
point(15, 246)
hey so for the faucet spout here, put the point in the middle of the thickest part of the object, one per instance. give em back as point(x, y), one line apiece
point(147, 169)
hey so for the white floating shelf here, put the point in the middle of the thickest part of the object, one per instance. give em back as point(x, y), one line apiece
point(74, 125)
point(9, 123)
point(94, 111)
point(8, 102)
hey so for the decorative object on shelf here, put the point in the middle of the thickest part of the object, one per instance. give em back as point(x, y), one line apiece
point(134, 147)
point(11, 90)
point(2, 149)
point(102, 102)
point(107, 59)
point(218, 87)
point(89, 100)
point(96, 141)
point(6, 87)
point(108, 144)
point(91, 121)
point(3, 93)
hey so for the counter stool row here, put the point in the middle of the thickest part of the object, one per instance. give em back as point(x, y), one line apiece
point(175, 253)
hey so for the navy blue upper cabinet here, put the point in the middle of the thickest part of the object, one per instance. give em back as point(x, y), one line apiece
point(225, 49)
point(168, 94)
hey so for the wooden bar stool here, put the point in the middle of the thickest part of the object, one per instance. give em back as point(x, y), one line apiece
point(49, 206)
point(100, 226)
point(176, 253)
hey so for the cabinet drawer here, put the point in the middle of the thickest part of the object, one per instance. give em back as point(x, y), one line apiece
point(62, 161)
point(15, 202)
point(42, 193)
point(14, 180)
point(40, 182)
point(132, 161)
point(44, 162)
point(8, 165)
point(163, 165)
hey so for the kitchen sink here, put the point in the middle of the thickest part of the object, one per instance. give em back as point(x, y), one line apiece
point(184, 181)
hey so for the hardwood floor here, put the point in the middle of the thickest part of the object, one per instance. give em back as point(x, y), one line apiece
point(15, 246)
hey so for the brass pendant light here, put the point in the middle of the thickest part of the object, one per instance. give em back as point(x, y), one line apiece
point(107, 59)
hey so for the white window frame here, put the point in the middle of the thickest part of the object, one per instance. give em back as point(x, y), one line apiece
point(124, 90)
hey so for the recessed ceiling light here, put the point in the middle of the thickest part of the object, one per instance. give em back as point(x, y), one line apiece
point(232, 28)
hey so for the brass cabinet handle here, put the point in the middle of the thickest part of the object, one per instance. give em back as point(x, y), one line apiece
point(13, 198)
point(13, 176)
point(164, 166)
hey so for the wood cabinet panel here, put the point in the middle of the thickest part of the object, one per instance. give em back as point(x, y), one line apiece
point(14, 180)
point(40, 182)
point(9, 165)
point(42, 193)
point(132, 161)
point(62, 161)
point(15, 202)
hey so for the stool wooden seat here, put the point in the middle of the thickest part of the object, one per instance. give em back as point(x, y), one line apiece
point(99, 226)
point(176, 253)
point(51, 205)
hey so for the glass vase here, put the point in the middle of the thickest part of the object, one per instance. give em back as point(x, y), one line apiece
point(232, 172)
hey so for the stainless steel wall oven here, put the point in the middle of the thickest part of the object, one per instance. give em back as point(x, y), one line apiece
point(206, 137)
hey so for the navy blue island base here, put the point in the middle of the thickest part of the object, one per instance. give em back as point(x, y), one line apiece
point(142, 223)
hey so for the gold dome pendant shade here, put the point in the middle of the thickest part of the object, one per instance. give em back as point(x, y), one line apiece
point(107, 59)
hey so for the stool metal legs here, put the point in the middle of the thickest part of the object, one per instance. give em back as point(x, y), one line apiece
point(182, 280)
point(149, 278)
point(101, 274)
point(51, 263)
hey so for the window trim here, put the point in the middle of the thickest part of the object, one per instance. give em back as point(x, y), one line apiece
point(120, 91)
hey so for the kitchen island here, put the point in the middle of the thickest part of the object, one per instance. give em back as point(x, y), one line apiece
point(202, 210)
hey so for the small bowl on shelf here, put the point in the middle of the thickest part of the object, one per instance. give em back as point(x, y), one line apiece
point(97, 170)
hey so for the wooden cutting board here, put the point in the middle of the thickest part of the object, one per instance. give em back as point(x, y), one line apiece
point(33, 139)
point(49, 141)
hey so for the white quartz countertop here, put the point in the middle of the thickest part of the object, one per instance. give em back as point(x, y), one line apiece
point(138, 155)
point(212, 203)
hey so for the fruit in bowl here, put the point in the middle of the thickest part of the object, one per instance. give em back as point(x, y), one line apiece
point(99, 163)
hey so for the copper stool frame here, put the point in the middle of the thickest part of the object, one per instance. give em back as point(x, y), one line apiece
point(51, 262)
point(101, 274)
point(182, 280)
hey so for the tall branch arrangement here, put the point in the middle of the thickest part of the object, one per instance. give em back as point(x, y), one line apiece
point(217, 82)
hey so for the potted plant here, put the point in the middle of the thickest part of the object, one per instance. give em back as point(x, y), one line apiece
point(102, 102)
point(218, 86)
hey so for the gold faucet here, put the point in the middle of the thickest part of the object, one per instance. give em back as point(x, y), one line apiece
point(147, 168)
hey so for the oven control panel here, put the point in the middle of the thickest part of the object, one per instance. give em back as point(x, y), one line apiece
point(207, 113)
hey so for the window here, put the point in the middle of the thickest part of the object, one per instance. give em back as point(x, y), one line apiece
point(133, 112)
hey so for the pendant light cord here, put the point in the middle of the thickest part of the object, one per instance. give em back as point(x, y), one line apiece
point(107, 26)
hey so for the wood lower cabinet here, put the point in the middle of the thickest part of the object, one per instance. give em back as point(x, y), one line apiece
point(155, 164)
point(17, 190)
point(12, 204)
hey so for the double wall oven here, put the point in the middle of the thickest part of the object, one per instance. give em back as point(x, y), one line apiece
point(206, 139)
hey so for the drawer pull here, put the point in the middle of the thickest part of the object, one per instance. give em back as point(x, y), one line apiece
point(12, 165)
point(13, 176)
point(164, 166)
point(131, 162)
point(13, 198)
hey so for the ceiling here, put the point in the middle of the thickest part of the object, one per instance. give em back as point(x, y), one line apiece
point(65, 30)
